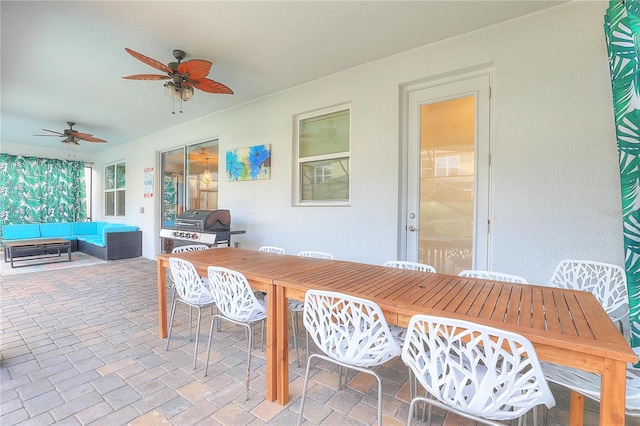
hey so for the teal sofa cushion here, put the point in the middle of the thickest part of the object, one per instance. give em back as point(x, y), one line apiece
point(118, 227)
point(21, 231)
point(56, 230)
point(85, 228)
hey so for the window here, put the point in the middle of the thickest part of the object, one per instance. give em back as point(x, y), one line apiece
point(447, 166)
point(323, 156)
point(114, 189)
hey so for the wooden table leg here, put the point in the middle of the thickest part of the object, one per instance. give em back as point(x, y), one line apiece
point(162, 300)
point(271, 346)
point(576, 409)
point(612, 393)
point(282, 341)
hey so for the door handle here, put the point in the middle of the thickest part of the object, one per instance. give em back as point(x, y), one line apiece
point(412, 228)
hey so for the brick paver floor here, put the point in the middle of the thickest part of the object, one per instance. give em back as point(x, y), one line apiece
point(79, 346)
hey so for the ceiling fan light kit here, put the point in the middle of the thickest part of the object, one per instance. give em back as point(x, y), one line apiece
point(184, 76)
point(181, 92)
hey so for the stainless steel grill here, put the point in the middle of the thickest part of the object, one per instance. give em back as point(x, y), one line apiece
point(211, 227)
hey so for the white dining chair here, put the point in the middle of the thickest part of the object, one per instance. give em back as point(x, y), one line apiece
point(192, 291)
point(399, 332)
point(272, 249)
point(607, 282)
point(478, 372)
point(237, 304)
point(296, 306)
point(414, 266)
point(351, 332)
point(588, 384)
point(492, 275)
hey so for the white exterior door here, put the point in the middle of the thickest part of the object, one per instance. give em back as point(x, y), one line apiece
point(446, 221)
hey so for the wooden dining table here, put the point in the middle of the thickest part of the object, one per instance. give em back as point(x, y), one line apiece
point(567, 327)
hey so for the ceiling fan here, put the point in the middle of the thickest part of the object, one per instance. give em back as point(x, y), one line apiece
point(72, 136)
point(184, 76)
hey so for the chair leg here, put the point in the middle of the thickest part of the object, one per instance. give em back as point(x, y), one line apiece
point(173, 312)
point(304, 390)
point(173, 296)
point(190, 320)
point(427, 409)
point(195, 349)
point(379, 399)
point(426, 414)
point(343, 370)
point(249, 348)
point(206, 364)
point(294, 326)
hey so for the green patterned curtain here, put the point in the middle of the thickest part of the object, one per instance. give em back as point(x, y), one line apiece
point(622, 26)
point(169, 199)
point(41, 190)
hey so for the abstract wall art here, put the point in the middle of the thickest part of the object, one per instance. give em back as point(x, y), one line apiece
point(250, 163)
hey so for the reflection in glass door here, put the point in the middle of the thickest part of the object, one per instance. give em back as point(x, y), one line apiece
point(447, 162)
point(448, 175)
point(189, 181)
point(202, 172)
point(172, 165)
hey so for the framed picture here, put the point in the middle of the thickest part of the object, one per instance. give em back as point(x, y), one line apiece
point(250, 163)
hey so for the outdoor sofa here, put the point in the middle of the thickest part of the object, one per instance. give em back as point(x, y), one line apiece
point(104, 240)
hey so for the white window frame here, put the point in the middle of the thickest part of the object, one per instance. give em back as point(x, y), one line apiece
point(449, 164)
point(115, 189)
point(298, 161)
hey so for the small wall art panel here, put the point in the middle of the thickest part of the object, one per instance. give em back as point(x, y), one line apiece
point(250, 163)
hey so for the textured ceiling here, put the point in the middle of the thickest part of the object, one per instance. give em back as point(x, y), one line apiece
point(63, 61)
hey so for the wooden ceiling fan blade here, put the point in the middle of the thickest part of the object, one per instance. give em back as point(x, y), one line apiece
point(210, 86)
point(52, 131)
point(90, 138)
point(197, 68)
point(76, 134)
point(147, 77)
point(86, 137)
point(149, 61)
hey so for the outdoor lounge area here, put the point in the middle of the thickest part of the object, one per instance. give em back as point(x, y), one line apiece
point(82, 348)
point(104, 240)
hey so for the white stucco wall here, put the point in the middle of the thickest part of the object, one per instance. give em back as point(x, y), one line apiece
point(555, 189)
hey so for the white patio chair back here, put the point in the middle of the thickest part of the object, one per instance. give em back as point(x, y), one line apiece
point(316, 254)
point(414, 266)
point(189, 286)
point(348, 329)
point(233, 295)
point(272, 249)
point(351, 332)
point(479, 372)
point(492, 275)
point(607, 282)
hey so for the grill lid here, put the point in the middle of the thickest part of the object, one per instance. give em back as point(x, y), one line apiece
point(204, 220)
